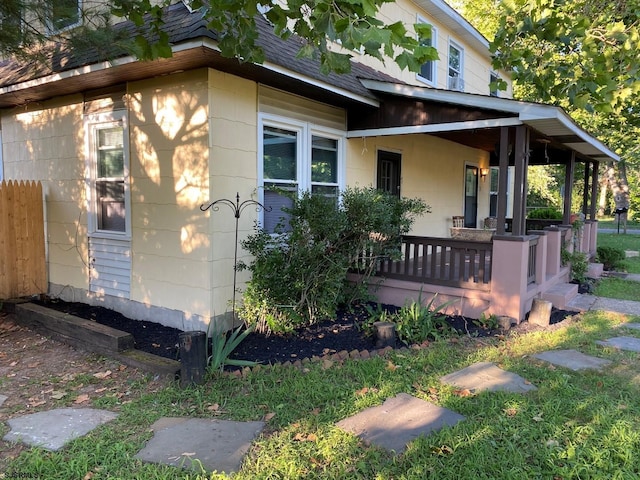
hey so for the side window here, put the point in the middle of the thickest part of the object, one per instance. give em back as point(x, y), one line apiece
point(109, 182)
point(281, 149)
point(428, 69)
point(494, 78)
point(63, 14)
point(456, 67)
point(297, 157)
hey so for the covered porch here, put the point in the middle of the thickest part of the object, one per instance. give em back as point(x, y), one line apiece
point(501, 275)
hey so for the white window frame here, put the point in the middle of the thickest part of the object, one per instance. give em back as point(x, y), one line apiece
point(434, 43)
point(305, 131)
point(92, 124)
point(496, 92)
point(460, 72)
point(52, 29)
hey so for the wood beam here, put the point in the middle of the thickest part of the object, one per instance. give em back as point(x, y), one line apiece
point(502, 179)
point(568, 189)
point(594, 190)
point(520, 187)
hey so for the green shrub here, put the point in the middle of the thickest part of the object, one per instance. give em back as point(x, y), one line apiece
point(612, 258)
point(545, 214)
point(299, 275)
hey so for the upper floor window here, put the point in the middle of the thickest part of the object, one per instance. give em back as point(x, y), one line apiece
point(428, 69)
point(494, 78)
point(456, 66)
point(297, 156)
point(63, 14)
point(108, 159)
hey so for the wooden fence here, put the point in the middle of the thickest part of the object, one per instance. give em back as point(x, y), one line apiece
point(22, 248)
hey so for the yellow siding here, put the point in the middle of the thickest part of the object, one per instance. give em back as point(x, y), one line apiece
point(46, 142)
point(233, 105)
point(169, 180)
point(431, 169)
point(477, 64)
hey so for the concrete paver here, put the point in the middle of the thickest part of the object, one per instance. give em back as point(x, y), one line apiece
point(631, 325)
point(199, 443)
point(487, 376)
point(573, 360)
point(53, 429)
point(398, 421)
point(629, 307)
point(631, 344)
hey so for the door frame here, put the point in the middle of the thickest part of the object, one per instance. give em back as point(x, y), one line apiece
point(468, 222)
point(395, 157)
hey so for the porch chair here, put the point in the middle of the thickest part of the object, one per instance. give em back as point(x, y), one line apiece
point(458, 221)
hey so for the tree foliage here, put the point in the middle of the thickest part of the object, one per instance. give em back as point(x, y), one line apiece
point(580, 55)
point(582, 50)
point(331, 29)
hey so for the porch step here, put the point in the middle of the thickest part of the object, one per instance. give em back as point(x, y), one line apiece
point(595, 270)
point(561, 294)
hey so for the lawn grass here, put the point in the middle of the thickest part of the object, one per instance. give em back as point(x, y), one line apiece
point(575, 425)
point(612, 222)
point(623, 242)
point(612, 287)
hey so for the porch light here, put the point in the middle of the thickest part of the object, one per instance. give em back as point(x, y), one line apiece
point(483, 173)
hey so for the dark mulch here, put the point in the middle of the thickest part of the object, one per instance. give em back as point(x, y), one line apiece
point(326, 337)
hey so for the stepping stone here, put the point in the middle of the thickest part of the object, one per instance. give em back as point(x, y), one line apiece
point(398, 421)
point(487, 376)
point(572, 359)
point(214, 445)
point(631, 344)
point(3, 398)
point(630, 307)
point(634, 326)
point(53, 429)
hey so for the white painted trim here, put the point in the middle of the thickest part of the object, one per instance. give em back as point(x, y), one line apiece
point(434, 44)
point(527, 112)
point(305, 131)
point(325, 86)
point(458, 46)
point(435, 128)
point(464, 24)
point(106, 119)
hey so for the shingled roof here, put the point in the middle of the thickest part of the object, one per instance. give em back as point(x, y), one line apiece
point(183, 27)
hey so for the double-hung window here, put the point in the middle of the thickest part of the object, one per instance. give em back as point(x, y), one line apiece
point(428, 69)
point(295, 157)
point(109, 173)
point(456, 65)
point(63, 14)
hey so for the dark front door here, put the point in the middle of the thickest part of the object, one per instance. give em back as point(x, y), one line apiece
point(471, 196)
point(389, 172)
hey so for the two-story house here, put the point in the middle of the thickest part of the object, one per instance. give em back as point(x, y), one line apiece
point(128, 151)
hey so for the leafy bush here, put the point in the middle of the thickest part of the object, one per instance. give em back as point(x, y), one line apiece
point(299, 275)
point(545, 214)
point(612, 258)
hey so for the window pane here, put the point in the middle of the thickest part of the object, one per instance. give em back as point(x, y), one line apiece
point(111, 207)
point(273, 214)
point(110, 154)
point(280, 154)
point(64, 13)
point(324, 160)
point(426, 70)
point(454, 61)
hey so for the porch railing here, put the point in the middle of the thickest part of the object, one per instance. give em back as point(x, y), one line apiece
point(441, 261)
point(531, 268)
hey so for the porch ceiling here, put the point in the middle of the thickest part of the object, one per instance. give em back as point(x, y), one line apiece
point(553, 133)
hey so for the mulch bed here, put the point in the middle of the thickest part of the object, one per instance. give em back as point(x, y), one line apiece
point(344, 333)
